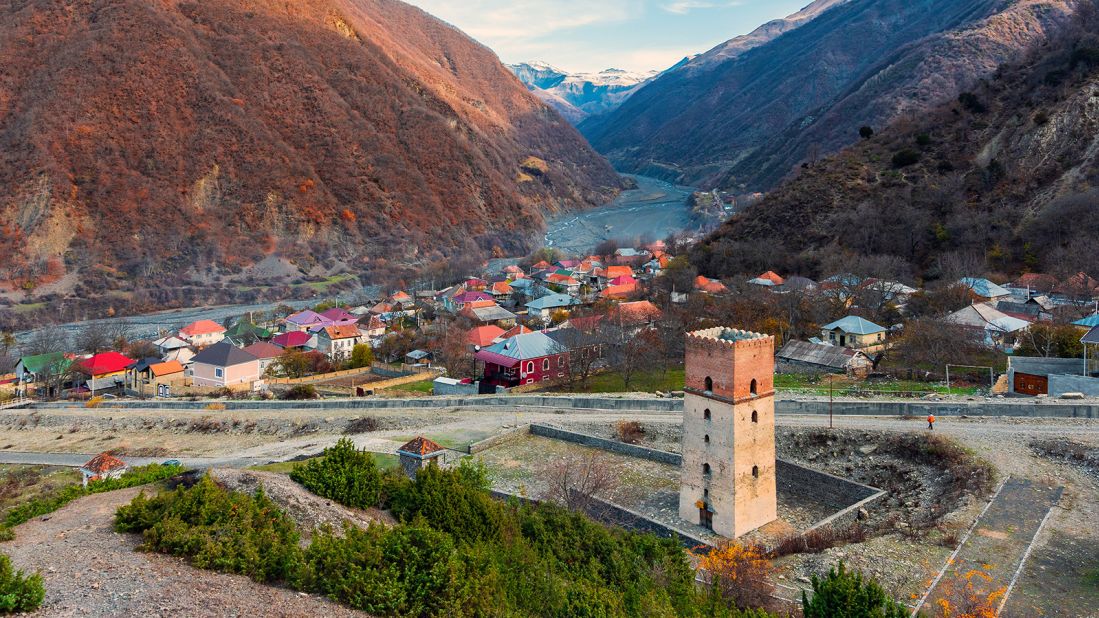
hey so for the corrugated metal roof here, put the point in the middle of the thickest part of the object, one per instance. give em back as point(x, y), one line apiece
point(855, 325)
point(816, 354)
point(1041, 366)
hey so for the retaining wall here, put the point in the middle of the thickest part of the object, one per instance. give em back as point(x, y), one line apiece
point(919, 409)
point(614, 446)
point(608, 513)
point(499, 439)
point(1061, 384)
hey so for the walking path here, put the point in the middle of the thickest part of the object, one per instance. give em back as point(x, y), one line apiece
point(992, 554)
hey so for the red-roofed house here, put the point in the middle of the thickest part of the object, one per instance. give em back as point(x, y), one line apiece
point(294, 340)
point(563, 283)
point(484, 336)
point(267, 353)
point(202, 333)
point(500, 290)
point(105, 370)
point(638, 313)
point(710, 286)
point(768, 279)
point(102, 467)
point(619, 292)
point(516, 330)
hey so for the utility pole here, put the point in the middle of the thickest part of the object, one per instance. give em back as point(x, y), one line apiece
point(830, 401)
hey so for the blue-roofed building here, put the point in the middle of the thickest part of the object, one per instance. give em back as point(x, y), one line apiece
point(855, 333)
point(1089, 322)
point(523, 359)
point(984, 288)
point(545, 306)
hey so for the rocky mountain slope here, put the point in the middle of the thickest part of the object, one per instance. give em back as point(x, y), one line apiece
point(1003, 179)
point(744, 118)
point(158, 142)
point(579, 95)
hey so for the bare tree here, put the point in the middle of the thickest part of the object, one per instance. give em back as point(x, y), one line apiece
point(574, 479)
point(98, 337)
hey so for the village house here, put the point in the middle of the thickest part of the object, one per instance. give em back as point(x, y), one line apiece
point(105, 371)
point(798, 355)
point(169, 344)
point(982, 289)
point(524, 359)
point(152, 376)
point(373, 329)
point(102, 467)
point(997, 329)
point(246, 332)
point(854, 332)
point(42, 372)
point(488, 312)
point(484, 336)
point(501, 291)
point(709, 286)
point(223, 365)
point(337, 316)
point(337, 342)
point(295, 340)
point(768, 279)
point(202, 333)
point(545, 306)
point(636, 315)
point(564, 283)
point(305, 321)
point(267, 353)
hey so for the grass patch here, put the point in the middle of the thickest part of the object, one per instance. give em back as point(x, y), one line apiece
point(20, 484)
point(382, 460)
point(328, 282)
point(422, 387)
point(28, 307)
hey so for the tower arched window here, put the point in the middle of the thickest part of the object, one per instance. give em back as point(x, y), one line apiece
point(755, 388)
point(706, 414)
point(755, 416)
point(755, 471)
point(709, 384)
point(706, 469)
point(706, 438)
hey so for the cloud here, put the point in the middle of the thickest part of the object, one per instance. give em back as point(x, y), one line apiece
point(682, 7)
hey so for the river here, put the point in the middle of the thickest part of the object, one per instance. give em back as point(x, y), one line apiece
point(655, 209)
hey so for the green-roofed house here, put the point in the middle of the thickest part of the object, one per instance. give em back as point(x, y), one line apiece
point(43, 372)
point(245, 333)
point(855, 333)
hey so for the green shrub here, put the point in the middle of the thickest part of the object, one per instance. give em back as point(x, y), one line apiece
point(217, 529)
point(906, 157)
point(18, 592)
point(923, 139)
point(344, 474)
point(454, 501)
point(846, 593)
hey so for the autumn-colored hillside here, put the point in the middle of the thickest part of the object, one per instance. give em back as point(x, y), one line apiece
point(157, 143)
point(1002, 179)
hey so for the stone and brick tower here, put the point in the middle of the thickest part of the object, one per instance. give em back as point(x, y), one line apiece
point(728, 481)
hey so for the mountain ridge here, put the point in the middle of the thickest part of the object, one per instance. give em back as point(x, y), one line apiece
point(185, 142)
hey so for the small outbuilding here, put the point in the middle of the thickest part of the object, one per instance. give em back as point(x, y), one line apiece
point(418, 453)
point(102, 467)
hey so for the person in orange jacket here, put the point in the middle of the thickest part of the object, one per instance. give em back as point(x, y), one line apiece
point(930, 421)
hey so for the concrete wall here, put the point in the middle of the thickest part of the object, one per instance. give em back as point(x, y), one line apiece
point(499, 439)
point(1061, 384)
point(920, 409)
point(613, 446)
point(443, 388)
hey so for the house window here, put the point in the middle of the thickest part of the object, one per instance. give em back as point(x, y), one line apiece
point(709, 384)
point(530, 366)
point(560, 361)
point(219, 372)
point(755, 416)
point(706, 414)
point(545, 364)
point(530, 380)
point(755, 472)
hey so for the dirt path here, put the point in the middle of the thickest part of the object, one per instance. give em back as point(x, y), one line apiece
point(91, 570)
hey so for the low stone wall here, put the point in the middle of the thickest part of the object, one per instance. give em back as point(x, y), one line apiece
point(613, 446)
point(499, 439)
point(846, 496)
point(608, 513)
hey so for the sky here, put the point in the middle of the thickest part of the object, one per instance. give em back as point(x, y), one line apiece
point(591, 35)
